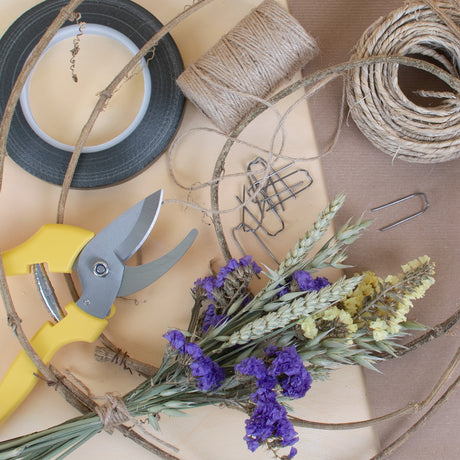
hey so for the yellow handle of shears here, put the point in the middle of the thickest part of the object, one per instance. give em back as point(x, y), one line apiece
point(21, 377)
point(57, 245)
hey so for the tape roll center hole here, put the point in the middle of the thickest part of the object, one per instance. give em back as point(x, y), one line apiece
point(412, 80)
point(60, 106)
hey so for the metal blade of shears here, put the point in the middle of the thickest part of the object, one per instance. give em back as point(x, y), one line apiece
point(137, 278)
point(100, 264)
point(128, 232)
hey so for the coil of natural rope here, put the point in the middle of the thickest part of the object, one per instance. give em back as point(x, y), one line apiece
point(381, 110)
point(247, 64)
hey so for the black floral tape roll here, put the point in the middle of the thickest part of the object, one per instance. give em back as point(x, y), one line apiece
point(141, 143)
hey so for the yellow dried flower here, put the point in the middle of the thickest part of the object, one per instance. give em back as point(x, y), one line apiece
point(414, 264)
point(404, 306)
point(352, 328)
point(398, 317)
point(353, 304)
point(371, 279)
point(392, 279)
point(309, 329)
point(369, 285)
point(379, 335)
point(393, 327)
point(379, 329)
point(345, 317)
point(366, 290)
point(420, 291)
point(331, 313)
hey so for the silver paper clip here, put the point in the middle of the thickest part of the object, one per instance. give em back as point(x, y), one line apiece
point(268, 195)
point(400, 200)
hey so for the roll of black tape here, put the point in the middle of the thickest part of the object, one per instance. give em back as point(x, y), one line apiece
point(142, 143)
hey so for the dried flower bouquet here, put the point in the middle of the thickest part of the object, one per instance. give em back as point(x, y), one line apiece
point(255, 353)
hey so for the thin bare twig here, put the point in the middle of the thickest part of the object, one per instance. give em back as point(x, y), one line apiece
point(122, 358)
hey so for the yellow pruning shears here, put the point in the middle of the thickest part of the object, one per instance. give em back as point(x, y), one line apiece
point(100, 264)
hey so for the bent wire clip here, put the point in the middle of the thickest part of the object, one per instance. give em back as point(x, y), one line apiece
point(400, 200)
point(100, 264)
point(268, 193)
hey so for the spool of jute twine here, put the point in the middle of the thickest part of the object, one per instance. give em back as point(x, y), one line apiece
point(382, 111)
point(247, 64)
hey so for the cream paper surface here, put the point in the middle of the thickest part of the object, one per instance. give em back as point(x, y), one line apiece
point(26, 203)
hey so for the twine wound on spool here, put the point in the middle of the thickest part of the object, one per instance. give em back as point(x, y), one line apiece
point(381, 110)
point(247, 64)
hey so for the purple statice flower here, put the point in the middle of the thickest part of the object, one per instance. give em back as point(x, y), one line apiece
point(176, 339)
point(233, 265)
point(307, 283)
point(287, 361)
point(294, 379)
point(209, 374)
point(304, 280)
point(212, 284)
point(247, 260)
point(296, 386)
point(286, 368)
point(268, 420)
point(208, 284)
point(193, 350)
point(320, 282)
point(224, 271)
point(285, 290)
point(252, 366)
point(271, 350)
point(257, 368)
point(212, 319)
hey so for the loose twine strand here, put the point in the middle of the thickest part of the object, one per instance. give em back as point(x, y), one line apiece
point(384, 114)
